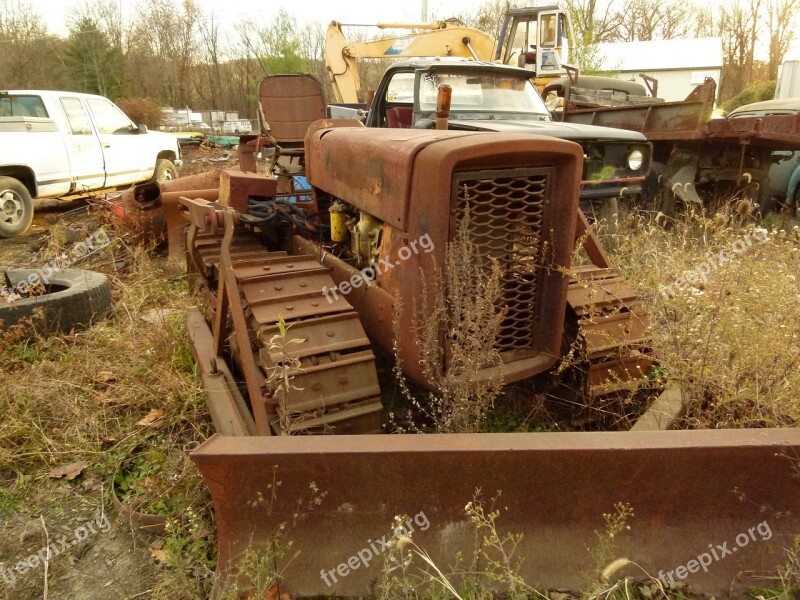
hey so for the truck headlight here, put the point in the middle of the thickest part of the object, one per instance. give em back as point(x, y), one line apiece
point(635, 160)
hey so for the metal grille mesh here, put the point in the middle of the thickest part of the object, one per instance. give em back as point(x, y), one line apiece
point(506, 210)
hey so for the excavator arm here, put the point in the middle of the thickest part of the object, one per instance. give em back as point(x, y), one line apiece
point(435, 39)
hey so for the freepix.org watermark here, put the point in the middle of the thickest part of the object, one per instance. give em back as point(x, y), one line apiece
point(92, 527)
point(704, 269)
point(373, 549)
point(368, 274)
point(94, 241)
point(716, 552)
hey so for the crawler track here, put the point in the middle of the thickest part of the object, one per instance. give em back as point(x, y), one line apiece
point(612, 332)
point(320, 375)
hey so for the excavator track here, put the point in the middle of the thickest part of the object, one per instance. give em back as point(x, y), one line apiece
point(612, 333)
point(331, 383)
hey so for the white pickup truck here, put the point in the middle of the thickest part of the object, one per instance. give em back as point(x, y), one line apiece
point(67, 145)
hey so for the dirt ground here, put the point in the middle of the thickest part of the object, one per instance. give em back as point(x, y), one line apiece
point(112, 376)
point(112, 564)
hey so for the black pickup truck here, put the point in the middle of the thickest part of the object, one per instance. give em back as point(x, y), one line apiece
point(495, 97)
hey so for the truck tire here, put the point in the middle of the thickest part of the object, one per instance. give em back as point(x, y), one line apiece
point(766, 201)
point(74, 297)
point(16, 207)
point(794, 203)
point(165, 170)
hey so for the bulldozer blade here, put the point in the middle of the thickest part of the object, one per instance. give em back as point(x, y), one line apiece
point(726, 499)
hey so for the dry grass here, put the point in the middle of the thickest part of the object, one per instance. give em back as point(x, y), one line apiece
point(727, 331)
point(82, 396)
point(463, 308)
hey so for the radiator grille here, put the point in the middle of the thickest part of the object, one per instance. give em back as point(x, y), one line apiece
point(506, 211)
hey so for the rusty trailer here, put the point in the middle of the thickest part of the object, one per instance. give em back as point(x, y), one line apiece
point(697, 157)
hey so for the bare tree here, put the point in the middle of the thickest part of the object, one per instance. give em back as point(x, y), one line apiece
point(165, 51)
point(312, 48)
point(702, 21)
point(780, 28)
point(488, 18)
point(208, 80)
point(654, 20)
point(30, 56)
point(738, 25)
point(593, 20)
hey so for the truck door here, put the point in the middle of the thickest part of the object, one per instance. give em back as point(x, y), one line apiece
point(85, 152)
point(127, 156)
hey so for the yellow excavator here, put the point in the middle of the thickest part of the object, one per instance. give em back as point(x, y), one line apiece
point(534, 38)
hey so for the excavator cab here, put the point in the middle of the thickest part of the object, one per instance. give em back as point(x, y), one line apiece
point(537, 39)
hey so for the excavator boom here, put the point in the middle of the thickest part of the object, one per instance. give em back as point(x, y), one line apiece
point(436, 39)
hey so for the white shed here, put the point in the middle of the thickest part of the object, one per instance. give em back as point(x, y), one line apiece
point(679, 65)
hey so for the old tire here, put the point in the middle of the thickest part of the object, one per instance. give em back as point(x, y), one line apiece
point(652, 188)
point(75, 297)
point(16, 207)
point(165, 170)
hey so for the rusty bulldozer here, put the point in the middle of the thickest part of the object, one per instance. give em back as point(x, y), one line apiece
point(298, 289)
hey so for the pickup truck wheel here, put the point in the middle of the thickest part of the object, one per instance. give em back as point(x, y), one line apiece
point(16, 207)
point(165, 170)
point(74, 297)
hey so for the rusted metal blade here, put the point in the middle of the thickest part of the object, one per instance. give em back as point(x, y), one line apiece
point(690, 491)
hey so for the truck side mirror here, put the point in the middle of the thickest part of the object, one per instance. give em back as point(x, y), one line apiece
point(141, 128)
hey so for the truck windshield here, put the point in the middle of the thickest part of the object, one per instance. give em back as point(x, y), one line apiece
point(479, 91)
point(14, 105)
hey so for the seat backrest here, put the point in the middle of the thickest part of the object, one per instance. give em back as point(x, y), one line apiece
point(399, 117)
point(288, 104)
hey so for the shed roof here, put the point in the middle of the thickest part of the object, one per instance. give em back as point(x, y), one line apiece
point(659, 55)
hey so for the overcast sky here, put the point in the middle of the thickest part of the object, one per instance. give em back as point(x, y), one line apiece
point(323, 11)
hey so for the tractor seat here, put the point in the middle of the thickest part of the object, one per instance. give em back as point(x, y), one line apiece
point(288, 104)
point(399, 117)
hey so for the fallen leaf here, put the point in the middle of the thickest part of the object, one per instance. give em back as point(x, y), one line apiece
point(272, 594)
point(160, 556)
point(154, 415)
point(70, 471)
